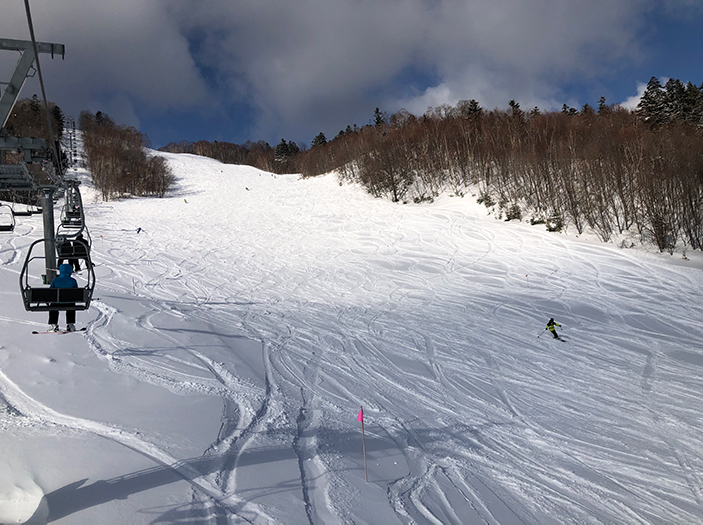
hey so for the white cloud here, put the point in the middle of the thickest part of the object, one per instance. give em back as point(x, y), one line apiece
point(632, 102)
point(309, 60)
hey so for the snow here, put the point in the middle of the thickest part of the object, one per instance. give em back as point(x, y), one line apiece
point(232, 341)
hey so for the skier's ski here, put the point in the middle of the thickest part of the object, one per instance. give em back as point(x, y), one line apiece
point(60, 331)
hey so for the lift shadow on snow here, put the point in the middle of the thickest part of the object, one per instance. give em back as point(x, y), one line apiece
point(83, 494)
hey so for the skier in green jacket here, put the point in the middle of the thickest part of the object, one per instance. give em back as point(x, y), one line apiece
point(550, 326)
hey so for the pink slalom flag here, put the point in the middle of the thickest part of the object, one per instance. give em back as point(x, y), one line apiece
point(360, 417)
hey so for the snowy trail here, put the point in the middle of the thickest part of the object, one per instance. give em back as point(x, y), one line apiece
point(280, 305)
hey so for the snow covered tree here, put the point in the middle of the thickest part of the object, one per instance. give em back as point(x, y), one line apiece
point(652, 106)
point(692, 103)
point(283, 156)
point(282, 151)
point(675, 101)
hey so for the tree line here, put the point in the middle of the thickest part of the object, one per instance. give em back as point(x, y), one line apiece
point(28, 119)
point(118, 161)
point(607, 168)
point(283, 158)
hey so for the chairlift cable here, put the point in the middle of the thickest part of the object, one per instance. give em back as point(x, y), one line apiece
point(57, 159)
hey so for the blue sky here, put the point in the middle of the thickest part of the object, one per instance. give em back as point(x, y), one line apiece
point(237, 70)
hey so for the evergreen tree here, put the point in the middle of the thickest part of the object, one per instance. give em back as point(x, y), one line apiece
point(59, 119)
point(652, 106)
point(515, 110)
point(469, 108)
point(692, 103)
point(320, 139)
point(282, 151)
point(675, 101)
point(379, 119)
point(603, 108)
point(35, 105)
point(568, 110)
point(696, 94)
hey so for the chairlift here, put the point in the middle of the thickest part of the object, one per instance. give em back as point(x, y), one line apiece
point(36, 293)
point(72, 247)
point(20, 209)
point(71, 230)
point(72, 216)
point(7, 218)
point(72, 210)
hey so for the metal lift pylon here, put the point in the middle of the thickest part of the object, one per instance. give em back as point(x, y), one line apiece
point(19, 177)
point(24, 64)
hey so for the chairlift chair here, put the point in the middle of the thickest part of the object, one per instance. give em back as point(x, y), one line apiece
point(7, 218)
point(72, 210)
point(26, 212)
point(71, 231)
point(39, 297)
point(72, 216)
point(72, 244)
point(20, 209)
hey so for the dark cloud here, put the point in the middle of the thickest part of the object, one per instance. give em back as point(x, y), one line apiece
point(300, 60)
point(118, 54)
point(312, 65)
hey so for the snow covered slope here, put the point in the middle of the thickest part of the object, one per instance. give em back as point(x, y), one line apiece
point(235, 337)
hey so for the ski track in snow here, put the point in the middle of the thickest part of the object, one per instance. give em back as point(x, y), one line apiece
point(429, 317)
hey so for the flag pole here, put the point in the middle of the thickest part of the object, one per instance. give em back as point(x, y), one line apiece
point(363, 439)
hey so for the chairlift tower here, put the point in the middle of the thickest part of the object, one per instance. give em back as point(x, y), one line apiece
point(34, 150)
point(24, 65)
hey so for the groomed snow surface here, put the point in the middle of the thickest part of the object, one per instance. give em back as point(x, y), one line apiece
point(232, 341)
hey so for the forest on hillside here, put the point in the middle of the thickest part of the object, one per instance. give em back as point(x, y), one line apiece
point(606, 168)
point(118, 160)
point(116, 155)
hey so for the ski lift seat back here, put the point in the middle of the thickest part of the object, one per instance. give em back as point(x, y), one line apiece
point(7, 218)
point(72, 217)
point(45, 298)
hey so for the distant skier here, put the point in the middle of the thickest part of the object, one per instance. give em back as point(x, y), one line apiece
point(64, 280)
point(550, 326)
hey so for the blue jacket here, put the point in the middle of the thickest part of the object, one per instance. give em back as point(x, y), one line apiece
point(64, 280)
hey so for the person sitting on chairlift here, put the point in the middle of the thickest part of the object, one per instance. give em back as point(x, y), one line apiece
point(80, 249)
point(64, 280)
